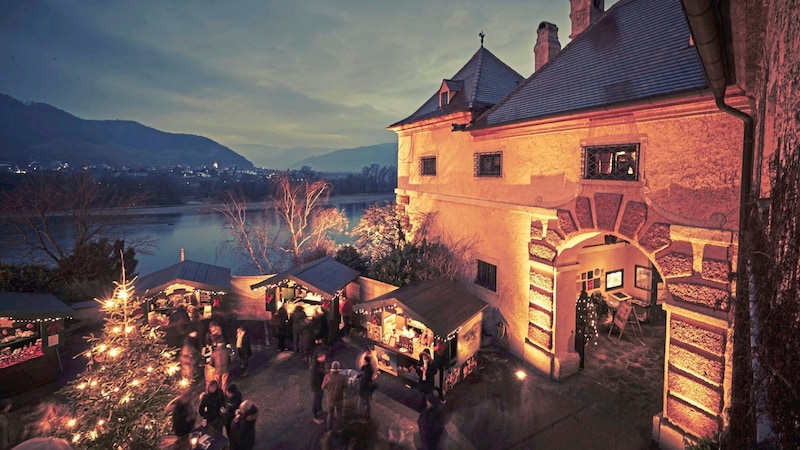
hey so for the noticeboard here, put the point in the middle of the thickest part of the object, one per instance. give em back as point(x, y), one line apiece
point(621, 318)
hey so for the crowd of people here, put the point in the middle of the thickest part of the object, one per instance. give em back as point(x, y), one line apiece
point(222, 410)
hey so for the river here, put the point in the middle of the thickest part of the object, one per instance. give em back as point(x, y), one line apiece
point(199, 230)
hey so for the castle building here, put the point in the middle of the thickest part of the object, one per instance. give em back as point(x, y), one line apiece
point(612, 169)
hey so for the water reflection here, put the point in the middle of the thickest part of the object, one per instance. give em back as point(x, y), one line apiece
point(198, 230)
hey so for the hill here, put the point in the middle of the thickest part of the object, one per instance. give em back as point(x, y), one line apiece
point(351, 159)
point(40, 132)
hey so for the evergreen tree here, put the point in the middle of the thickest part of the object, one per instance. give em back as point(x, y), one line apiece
point(118, 401)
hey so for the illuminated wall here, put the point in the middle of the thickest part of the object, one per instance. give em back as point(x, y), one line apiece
point(680, 215)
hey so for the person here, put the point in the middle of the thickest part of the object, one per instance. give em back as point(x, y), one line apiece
point(431, 423)
point(334, 384)
point(189, 356)
point(233, 399)
point(296, 323)
point(369, 354)
point(243, 349)
point(317, 376)
point(214, 335)
point(347, 313)
point(210, 409)
point(307, 340)
point(5, 438)
point(221, 362)
point(243, 428)
point(281, 326)
point(320, 324)
point(366, 386)
point(426, 370)
point(180, 410)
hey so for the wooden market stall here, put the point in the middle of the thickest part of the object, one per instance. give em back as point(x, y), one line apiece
point(320, 283)
point(185, 291)
point(437, 315)
point(31, 331)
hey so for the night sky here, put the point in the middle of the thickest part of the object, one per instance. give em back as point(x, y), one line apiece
point(316, 73)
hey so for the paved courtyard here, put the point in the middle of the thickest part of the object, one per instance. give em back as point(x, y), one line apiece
point(608, 405)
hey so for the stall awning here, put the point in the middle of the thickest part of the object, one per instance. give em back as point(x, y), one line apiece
point(440, 304)
point(324, 276)
point(191, 273)
point(27, 306)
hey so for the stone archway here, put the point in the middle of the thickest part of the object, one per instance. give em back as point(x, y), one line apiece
point(696, 264)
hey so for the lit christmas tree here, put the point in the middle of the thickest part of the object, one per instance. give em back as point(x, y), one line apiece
point(586, 318)
point(118, 401)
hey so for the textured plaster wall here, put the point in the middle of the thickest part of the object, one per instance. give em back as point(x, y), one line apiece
point(681, 215)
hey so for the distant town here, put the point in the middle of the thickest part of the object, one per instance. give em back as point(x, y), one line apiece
point(180, 184)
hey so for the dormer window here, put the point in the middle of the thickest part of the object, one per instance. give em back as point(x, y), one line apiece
point(447, 90)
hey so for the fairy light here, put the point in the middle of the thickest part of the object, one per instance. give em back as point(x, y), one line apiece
point(76, 437)
point(71, 423)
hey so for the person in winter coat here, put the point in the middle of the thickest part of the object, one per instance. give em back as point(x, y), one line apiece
point(183, 418)
point(282, 327)
point(317, 375)
point(298, 322)
point(366, 386)
point(211, 403)
point(189, 357)
point(334, 384)
point(233, 399)
point(243, 349)
point(243, 429)
point(431, 423)
point(221, 362)
point(426, 370)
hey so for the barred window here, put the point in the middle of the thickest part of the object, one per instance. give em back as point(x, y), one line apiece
point(611, 162)
point(427, 165)
point(487, 275)
point(488, 164)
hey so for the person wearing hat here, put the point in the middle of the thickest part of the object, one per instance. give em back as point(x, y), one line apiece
point(243, 428)
point(334, 386)
point(431, 423)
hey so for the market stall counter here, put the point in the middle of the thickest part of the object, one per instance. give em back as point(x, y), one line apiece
point(31, 331)
point(435, 316)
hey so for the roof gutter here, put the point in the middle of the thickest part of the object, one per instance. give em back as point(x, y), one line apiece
point(706, 31)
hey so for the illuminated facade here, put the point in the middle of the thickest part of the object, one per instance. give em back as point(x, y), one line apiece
point(615, 141)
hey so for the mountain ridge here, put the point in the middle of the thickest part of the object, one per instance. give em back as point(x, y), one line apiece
point(31, 131)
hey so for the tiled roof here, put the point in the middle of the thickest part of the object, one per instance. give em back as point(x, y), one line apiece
point(323, 276)
point(25, 305)
point(639, 49)
point(196, 274)
point(482, 82)
point(441, 305)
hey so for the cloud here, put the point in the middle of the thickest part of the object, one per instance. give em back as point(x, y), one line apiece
point(304, 73)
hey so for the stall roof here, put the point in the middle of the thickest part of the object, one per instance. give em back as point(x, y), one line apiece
point(195, 274)
point(440, 304)
point(323, 276)
point(26, 305)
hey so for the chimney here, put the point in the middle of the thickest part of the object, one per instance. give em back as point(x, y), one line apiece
point(584, 13)
point(183, 255)
point(547, 45)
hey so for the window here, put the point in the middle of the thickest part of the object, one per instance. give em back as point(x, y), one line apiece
point(487, 275)
point(614, 279)
point(488, 164)
point(427, 165)
point(611, 162)
point(443, 99)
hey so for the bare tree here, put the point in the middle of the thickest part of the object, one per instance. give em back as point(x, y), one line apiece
point(306, 224)
point(251, 234)
point(302, 205)
point(43, 206)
